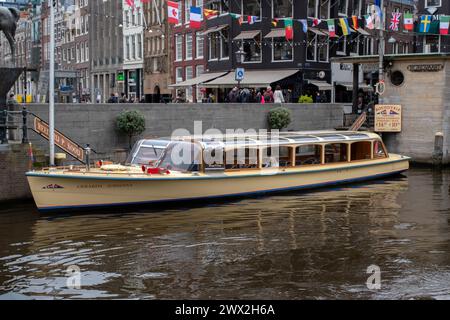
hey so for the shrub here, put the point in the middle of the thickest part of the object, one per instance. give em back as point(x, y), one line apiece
point(305, 99)
point(131, 123)
point(279, 118)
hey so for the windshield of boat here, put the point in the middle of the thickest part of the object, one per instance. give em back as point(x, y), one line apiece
point(181, 156)
point(145, 153)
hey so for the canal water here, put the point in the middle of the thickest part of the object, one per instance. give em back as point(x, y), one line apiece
point(315, 245)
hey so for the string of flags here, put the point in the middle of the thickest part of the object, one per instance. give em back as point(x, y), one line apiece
point(371, 21)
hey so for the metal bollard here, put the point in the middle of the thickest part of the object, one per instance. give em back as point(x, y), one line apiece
point(24, 126)
point(87, 151)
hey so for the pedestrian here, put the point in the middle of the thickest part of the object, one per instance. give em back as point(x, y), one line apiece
point(245, 95)
point(268, 95)
point(112, 99)
point(124, 98)
point(278, 95)
point(318, 97)
point(289, 96)
point(233, 95)
point(210, 98)
point(180, 98)
point(11, 100)
point(99, 98)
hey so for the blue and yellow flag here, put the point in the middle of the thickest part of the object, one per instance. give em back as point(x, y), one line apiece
point(345, 27)
point(425, 23)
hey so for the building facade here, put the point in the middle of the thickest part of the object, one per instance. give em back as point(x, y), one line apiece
point(433, 43)
point(133, 39)
point(157, 53)
point(106, 48)
point(188, 52)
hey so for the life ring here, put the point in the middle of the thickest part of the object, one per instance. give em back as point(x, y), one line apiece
point(380, 87)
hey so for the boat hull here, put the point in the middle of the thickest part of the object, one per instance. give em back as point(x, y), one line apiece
point(57, 192)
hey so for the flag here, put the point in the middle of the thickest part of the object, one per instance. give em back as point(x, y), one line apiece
point(252, 19)
point(275, 23)
point(345, 27)
point(195, 18)
point(331, 28)
point(173, 12)
point(408, 21)
point(369, 22)
point(444, 24)
point(130, 3)
point(305, 25)
point(209, 14)
point(395, 21)
point(289, 28)
point(377, 16)
point(355, 22)
point(238, 17)
point(316, 22)
point(425, 22)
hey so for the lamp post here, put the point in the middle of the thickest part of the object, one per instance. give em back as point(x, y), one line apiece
point(381, 53)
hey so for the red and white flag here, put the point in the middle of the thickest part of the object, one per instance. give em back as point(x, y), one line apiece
point(173, 12)
point(395, 21)
point(195, 20)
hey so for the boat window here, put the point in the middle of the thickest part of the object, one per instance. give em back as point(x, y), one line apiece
point(308, 155)
point(361, 150)
point(276, 157)
point(241, 158)
point(181, 156)
point(145, 155)
point(214, 159)
point(378, 150)
point(336, 152)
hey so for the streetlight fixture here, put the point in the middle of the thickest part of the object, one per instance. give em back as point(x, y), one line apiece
point(392, 40)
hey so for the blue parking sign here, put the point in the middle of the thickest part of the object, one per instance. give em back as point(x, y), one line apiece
point(240, 73)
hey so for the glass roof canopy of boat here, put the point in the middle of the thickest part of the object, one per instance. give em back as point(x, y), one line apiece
point(281, 138)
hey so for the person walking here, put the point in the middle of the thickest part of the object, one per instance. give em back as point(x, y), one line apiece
point(233, 95)
point(268, 95)
point(278, 96)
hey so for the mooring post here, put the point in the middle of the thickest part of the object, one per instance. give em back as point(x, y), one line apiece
point(3, 116)
point(24, 125)
point(88, 157)
point(438, 152)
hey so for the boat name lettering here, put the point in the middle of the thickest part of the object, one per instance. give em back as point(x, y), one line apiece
point(100, 186)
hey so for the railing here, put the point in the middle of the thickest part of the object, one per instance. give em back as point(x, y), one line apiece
point(10, 121)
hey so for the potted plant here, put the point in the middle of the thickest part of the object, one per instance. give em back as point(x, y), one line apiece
point(130, 123)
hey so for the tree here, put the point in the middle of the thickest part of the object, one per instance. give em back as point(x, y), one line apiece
point(279, 118)
point(131, 123)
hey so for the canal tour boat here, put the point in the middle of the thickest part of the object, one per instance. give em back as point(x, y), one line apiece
point(191, 168)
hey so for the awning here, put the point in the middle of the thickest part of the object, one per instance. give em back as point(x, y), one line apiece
point(322, 85)
point(247, 35)
point(276, 33)
point(252, 79)
point(363, 32)
point(205, 77)
point(349, 86)
point(317, 31)
point(215, 29)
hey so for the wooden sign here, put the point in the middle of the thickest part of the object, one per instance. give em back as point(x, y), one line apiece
point(388, 118)
point(426, 67)
point(41, 127)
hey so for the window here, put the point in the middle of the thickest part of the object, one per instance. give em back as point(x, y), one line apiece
point(319, 9)
point(342, 7)
point(251, 8)
point(252, 49)
point(127, 41)
point(282, 8)
point(433, 3)
point(282, 50)
point(361, 151)
point(336, 152)
point(199, 70)
point(199, 46)
point(397, 78)
point(308, 155)
point(225, 45)
point(356, 8)
point(214, 44)
point(86, 47)
point(179, 75)
point(187, 10)
point(323, 48)
point(311, 47)
point(189, 46)
point(133, 46)
point(378, 150)
point(341, 47)
point(222, 6)
point(189, 75)
point(178, 47)
point(139, 48)
point(432, 44)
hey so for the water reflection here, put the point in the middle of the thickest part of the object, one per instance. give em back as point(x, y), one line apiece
point(300, 245)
